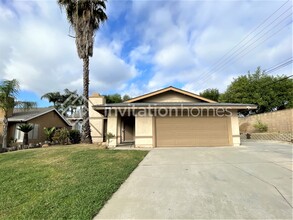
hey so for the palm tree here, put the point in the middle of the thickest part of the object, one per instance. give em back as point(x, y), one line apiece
point(8, 91)
point(85, 17)
point(49, 132)
point(53, 97)
point(25, 128)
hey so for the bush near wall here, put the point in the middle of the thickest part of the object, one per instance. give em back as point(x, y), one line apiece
point(260, 126)
point(278, 121)
point(277, 126)
point(74, 136)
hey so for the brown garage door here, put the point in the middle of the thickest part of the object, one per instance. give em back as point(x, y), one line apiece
point(188, 131)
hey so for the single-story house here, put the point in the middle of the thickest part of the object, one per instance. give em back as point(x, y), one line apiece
point(168, 117)
point(40, 118)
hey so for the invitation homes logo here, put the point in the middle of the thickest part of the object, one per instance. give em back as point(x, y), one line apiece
point(164, 111)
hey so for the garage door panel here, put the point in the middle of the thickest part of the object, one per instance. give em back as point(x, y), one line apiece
point(188, 131)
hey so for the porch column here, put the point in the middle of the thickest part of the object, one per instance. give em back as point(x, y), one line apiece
point(144, 131)
point(114, 127)
point(96, 119)
point(235, 129)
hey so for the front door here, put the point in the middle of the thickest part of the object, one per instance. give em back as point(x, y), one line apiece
point(128, 129)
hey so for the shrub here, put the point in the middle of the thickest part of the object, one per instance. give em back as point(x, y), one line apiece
point(49, 133)
point(109, 136)
point(74, 136)
point(61, 136)
point(260, 126)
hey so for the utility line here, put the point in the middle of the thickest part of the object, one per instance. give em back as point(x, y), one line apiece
point(222, 59)
point(245, 45)
point(257, 40)
point(279, 66)
point(279, 80)
point(234, 60)
point(248, 46)
point(263, 22)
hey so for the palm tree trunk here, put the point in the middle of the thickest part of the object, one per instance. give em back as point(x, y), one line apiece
point(25, 139)
point(5, 130)
point(86, 130)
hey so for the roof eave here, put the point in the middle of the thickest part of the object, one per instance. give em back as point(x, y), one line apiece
point(170, 88)
point(244, 107)
point(38, 115)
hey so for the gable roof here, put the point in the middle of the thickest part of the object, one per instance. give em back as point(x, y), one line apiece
point(170, 88)
point(20, 115)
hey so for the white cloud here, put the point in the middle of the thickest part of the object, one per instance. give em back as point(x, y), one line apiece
point(41, 55)
point(187, 40)
point(145, 45)
point(108, 70)
point(140, 53)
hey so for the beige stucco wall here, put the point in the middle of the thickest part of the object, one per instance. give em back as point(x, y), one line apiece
point(278, 121)
point(170, 97)
point(144, 131)
point(96, 119)
point(235, 129)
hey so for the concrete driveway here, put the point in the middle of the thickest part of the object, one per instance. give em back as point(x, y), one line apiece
point(248, 182)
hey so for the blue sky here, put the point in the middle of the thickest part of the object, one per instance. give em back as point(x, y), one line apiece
point(144, 45)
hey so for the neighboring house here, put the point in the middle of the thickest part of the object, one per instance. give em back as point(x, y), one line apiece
point(40, 118)
point(169, 117)
point(76, 119)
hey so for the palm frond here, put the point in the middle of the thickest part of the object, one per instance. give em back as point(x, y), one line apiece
point(25, 127)
point(8, 91)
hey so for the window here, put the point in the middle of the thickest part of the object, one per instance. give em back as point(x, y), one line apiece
point(32, 135)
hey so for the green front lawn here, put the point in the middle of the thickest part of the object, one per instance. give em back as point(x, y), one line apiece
point(69, 182)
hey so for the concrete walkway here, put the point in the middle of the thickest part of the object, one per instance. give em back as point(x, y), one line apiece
point(248, 182)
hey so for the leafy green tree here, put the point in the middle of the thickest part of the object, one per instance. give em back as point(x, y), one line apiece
point(126, 98)
point(61, 136)
point(114, 98)
point(85, 17)
point(25, 128)
point(268, 92)
point(8, 91)
point(212, 94)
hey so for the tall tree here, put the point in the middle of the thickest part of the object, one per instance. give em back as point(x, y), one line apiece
point(126, 98)
point(85, 17)
point(114, 98)
point(212, 94)
point(8, 91)
point(54, 97)
point(268, 92)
